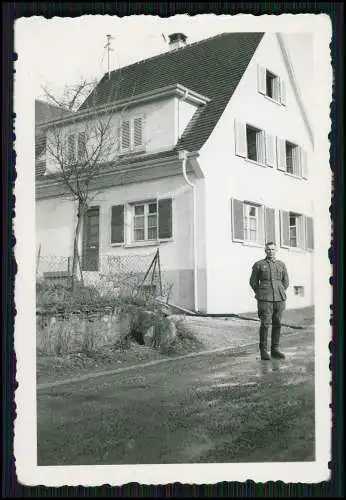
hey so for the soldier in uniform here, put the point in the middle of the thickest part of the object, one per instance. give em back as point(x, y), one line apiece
point(269, 280)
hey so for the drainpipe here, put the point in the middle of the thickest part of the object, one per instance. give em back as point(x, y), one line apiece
point(183, 156)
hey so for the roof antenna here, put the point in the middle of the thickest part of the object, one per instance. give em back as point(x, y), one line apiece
point(109, 50)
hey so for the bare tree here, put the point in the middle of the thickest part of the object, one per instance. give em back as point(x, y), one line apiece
point(78, 143)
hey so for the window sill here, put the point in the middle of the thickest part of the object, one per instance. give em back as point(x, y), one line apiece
point(132, 151)
point(147, 243)
point(293, 175)
point(297, 250)
point(254, 162)
point(271, 99)
point(251, 244)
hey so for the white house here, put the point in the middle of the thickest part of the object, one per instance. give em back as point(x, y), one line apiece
point(214, 157)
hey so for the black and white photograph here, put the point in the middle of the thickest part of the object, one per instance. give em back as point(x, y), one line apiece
point(172, 225)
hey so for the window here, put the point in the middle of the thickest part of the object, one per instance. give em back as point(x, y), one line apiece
point(76, 147)
point(252, 222)
point(292, 158)
point(131, 134)
point(293, 229)
point(299, 290)
point(249, 142)
point(271, 85)
point(146, 221)
point(296, 230)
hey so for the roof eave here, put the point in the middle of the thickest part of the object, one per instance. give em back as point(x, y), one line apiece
point(177, 90)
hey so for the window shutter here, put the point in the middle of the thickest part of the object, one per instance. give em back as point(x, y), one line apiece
point(260, 145)
point(237, 220)
point(81, 146)
point(285, 229)
point(281, 153)
point(270, 224)
point(125, 135)
point(137, 132)
point(270, 150)
point(261, 79)
point(165, 218)
point(240, 139)
point(261, 225)
point(301, 227)
point(309, 232)
point(304, 163)
point(283, 92)
point(71, 148)
point(117, 224)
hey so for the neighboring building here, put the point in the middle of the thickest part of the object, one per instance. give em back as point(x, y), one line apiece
point(44, 112)
point(232, 104)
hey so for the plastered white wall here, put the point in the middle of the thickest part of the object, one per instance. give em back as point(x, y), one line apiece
point(227, 175)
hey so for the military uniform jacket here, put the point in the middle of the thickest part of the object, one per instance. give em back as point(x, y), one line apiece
point(269, 280)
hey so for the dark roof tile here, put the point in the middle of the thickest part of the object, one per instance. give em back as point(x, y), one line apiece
point(211, 67)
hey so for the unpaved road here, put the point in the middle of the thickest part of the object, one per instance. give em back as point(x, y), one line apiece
point(220, 407)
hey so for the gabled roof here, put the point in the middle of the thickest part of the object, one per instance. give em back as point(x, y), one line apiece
point(45, 112)
point(211, 67)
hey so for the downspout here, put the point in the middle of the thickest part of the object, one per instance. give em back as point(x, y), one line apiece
point(183, 156)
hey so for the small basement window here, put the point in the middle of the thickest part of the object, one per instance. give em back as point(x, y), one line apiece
point(299, 290)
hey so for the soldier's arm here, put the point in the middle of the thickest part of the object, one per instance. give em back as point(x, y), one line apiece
point(254, 278)
point(285, 279)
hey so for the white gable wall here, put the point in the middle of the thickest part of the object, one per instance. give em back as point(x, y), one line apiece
point(227, 175)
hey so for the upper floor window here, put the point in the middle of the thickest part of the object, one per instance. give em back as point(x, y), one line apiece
point(292, 158)
point(76, 147)
point(252, 143)
point(252, 222)
point(131, 134)
point(271, 85)
point(296, 230)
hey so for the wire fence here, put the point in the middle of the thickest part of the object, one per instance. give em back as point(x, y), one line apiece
point(114, 273)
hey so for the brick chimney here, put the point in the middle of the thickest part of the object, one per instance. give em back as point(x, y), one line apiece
point(177, 40)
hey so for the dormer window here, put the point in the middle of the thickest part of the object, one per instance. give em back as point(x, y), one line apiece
point(131, 134)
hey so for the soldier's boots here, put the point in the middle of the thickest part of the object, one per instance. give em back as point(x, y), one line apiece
point(275, 352)
point(263, 346)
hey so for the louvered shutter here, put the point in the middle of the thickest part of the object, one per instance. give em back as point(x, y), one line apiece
point(283, 92)
point(137, 132)
point(309, 232)
point(165, 218)
point(281, 154)
point(237, 220)
point(240, 139)
point(260, 146)
point(117, 224)
point(71, 148)
point(285, 228)
point(296, 161)
point(261, 79)
point(81, 146)
point(125, 135)
point(304, 163)
point(270, 150)
point(270, 225)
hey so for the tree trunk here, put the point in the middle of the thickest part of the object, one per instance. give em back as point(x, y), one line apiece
point(75, 260)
